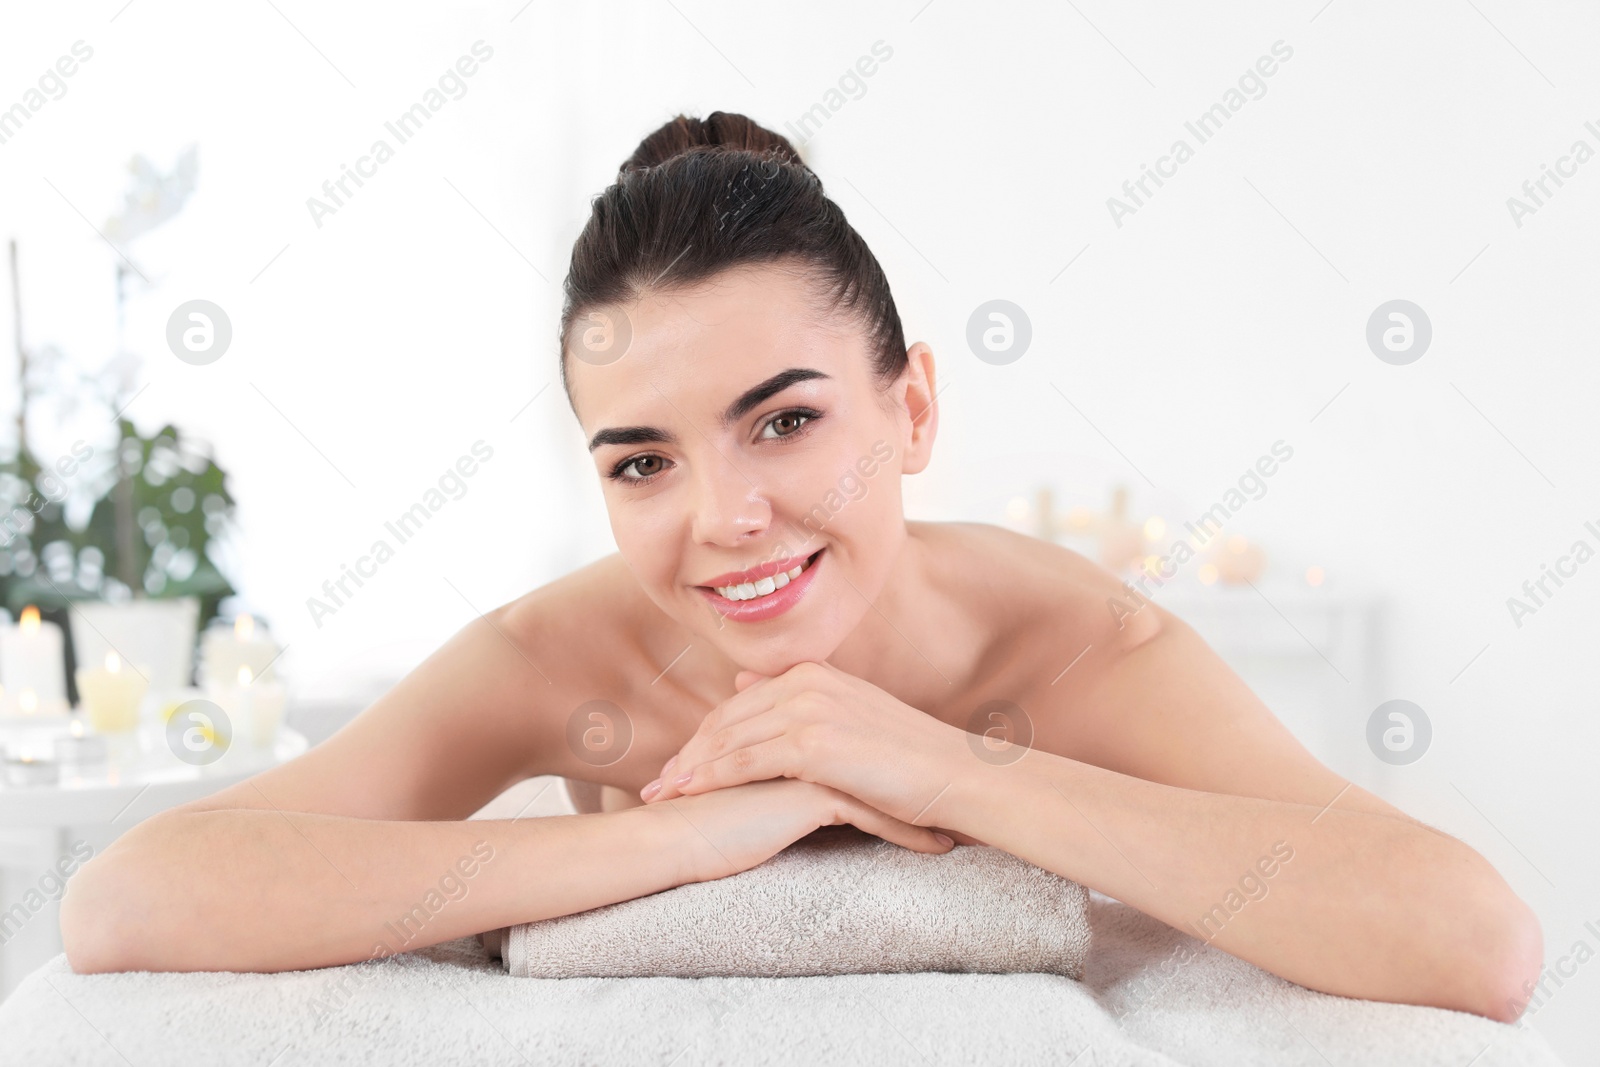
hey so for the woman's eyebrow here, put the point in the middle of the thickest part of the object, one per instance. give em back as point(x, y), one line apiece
point(757, 394)
point(747, 401)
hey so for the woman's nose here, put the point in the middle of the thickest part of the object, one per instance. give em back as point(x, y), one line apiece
point(728, 507)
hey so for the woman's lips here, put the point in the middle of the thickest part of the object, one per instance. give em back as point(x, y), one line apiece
point(764, 607)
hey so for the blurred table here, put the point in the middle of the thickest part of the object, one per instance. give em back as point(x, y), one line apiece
point(127, 793)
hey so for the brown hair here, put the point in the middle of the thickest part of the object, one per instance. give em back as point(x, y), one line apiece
point(700, 196)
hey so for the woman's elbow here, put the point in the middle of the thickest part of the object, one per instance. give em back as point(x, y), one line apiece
point(1512, 973)
point(94, 936)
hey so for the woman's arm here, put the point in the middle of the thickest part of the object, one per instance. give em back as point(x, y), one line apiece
point(255, 890)
point(268, 890)
point(1216, 821)
point(304, 864)
point(1347, 902)
point(1183, 796)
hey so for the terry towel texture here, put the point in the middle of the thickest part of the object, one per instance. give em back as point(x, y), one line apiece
point(1150, 996)
point(838, 901)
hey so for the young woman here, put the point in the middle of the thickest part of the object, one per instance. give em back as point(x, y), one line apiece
point(775, 648)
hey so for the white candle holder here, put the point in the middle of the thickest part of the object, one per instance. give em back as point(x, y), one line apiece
point(80, 748)
point(27, 771)
point(225, 649)
point(255, 708)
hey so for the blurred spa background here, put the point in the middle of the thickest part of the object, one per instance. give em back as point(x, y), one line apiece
point(1318, 396)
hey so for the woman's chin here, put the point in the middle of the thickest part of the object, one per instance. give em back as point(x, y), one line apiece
point(771, 666)
point(773, 662)
point(775, 652)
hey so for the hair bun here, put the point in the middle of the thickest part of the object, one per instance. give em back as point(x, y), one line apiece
point(718, 130)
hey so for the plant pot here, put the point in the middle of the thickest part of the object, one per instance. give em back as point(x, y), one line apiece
point(155, 636)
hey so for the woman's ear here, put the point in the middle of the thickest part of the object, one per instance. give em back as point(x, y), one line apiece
point(921, 392)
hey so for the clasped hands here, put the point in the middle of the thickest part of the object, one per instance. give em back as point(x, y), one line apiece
point(819, 724)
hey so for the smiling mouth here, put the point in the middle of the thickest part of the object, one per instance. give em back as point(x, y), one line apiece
point(766, 586)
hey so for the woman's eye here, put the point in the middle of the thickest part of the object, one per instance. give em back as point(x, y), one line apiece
point(786, 426)
point(790, 423)
point(637, 465)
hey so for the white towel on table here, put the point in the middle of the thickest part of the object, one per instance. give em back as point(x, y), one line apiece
point(838, 901)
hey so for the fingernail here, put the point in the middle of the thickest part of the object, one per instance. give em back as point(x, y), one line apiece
point(683, 779)
point(944, 840)
point(650, 790)
point(668, 768)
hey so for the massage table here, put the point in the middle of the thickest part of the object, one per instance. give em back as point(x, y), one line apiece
point(1150, 995)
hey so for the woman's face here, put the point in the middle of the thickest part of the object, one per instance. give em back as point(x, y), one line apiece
point(741, 436)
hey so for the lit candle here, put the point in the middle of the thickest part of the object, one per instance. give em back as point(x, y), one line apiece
point(257, 709)
point(112, 695)
point(224, 650)
point(32, 664)
point(27, 770)
point(80, 748)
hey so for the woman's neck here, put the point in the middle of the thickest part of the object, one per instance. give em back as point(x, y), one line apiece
point(916, 641)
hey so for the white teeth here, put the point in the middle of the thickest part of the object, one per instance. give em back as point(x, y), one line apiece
point(764, 587)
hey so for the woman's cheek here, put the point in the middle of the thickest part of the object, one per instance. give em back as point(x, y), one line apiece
point(647, 549)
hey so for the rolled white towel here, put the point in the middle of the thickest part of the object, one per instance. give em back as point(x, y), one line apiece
point(838, 901)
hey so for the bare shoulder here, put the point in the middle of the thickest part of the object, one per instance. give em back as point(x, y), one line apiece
point(589, 636)
point(1149, 697)
point(603, 590)
point(582, 628)
point(1047, 588)
point(485, 710)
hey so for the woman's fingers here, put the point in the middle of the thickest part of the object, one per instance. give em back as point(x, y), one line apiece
point(866, 817)
point(773, 758)
point(706, 773)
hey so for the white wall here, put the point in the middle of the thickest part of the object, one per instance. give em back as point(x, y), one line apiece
point(1224, 315)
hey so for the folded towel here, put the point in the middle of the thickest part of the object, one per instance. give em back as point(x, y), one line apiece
point(837, 901)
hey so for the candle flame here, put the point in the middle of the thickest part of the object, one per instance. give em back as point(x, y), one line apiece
point(28, 700)
point(244, 628)
point(77, 728)
point(244, 675)
point(29, 622)
point(113, 662)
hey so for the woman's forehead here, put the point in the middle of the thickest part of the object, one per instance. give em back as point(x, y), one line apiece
point(695, 345)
